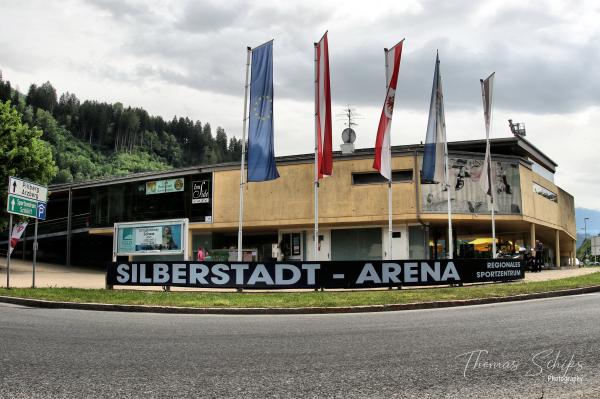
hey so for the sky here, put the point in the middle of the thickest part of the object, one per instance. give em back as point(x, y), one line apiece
point(187, 58)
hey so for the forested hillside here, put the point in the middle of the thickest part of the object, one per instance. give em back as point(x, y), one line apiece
point(93, 139)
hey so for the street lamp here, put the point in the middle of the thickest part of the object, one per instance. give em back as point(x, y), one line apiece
point(585, 234)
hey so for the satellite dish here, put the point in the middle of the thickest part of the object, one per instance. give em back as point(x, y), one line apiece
point(348, 136)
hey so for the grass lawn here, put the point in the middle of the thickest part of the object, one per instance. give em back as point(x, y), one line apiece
point(298, 299)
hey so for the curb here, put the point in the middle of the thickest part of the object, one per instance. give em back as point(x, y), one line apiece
point(106, 307)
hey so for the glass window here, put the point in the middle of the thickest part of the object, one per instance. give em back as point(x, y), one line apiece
point(356, 244)
point(375, 177)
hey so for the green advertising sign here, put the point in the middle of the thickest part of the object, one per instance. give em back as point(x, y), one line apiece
point(21, 206)
point(164, 186)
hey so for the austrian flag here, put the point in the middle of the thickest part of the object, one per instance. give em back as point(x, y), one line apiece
point(383, 149)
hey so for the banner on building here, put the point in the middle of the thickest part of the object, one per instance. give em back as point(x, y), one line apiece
point(464, 176)
point(334, 274)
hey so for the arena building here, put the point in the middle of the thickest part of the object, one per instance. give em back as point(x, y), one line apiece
point(353, 211)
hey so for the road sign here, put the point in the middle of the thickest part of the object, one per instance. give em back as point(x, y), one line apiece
point(41, 210)
point(26, 189)
point(22, 206)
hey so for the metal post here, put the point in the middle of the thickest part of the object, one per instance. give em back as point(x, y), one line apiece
point(245, 119)
point(10, 222)
point(24, 240)
point(390, 230)
point(450, 242)
point(316, 179)
point(69, 212)
point(35, 248)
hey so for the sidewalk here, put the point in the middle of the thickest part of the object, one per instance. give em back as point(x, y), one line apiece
point(52, 275)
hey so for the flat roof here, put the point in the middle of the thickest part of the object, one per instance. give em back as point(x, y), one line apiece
point(507, 146)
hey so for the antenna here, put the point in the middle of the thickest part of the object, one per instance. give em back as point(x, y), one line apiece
point(518, 129)
point(349, 115)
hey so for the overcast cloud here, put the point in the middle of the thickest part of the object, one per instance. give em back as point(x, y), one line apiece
point(187, 59)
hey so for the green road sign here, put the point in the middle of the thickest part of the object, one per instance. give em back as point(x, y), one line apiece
point(22, 206)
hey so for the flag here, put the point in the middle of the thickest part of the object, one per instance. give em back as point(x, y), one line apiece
point(383, 150)
point(261, 151)
point(435, 141)
point(15, 236)
point(487, 90)
point(323, 108)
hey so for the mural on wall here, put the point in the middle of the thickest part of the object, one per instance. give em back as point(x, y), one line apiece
point(466, 193)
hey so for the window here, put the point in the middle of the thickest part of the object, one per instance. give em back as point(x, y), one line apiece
point(398, 176)
point(544, 192)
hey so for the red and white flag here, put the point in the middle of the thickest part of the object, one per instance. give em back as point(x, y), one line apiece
point(383, 149)
point(17, 232)
point(323, 109)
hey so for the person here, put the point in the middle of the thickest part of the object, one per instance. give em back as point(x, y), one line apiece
point(532, 259)
point(200, 256)
point(167, 241)
point(539, 249)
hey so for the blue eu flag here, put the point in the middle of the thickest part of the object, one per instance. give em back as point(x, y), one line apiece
point(261, 152)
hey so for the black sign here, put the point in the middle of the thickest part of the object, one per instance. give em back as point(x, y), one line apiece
point(201, 192)
point(336, 274)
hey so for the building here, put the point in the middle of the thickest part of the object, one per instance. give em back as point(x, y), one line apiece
point(353, 212)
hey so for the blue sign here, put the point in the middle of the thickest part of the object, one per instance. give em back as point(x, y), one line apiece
point(41, 210)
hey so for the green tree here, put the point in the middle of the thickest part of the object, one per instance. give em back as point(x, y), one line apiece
point(22, 154)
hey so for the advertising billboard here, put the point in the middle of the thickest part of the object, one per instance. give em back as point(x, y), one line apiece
point(154, 237)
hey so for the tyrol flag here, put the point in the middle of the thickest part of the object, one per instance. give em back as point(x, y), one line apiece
point(261, 151)
point(323, 108)
point(383, 148)
point(435, 141)
point(487, 91)
point(17, 232)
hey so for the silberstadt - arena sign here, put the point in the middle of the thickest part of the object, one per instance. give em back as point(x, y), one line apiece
point(335, 274)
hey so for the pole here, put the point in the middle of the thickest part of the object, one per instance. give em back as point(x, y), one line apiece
point(316, 180)
point(493, 225)
point(35, 248)
point(244, 119)
point(10, 222)
point(390, 230)
point(450, 239)
point(69, 211)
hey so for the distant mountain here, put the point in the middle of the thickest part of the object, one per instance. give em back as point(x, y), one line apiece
point(593, 224)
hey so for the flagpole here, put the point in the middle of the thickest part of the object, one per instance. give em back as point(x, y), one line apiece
point(245, 119)
point(488, 150)
point(387, 83)
point(447, 178)
point(10, 227)
point(316, 181)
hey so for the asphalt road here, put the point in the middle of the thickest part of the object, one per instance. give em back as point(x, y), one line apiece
point(422, 354)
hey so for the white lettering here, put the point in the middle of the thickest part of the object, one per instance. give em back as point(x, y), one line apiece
point(426, 271)
point(178, 274)
point(280, 268)
point(311, 272)
point(239, 272)
point(123, 273)
point(368, 273)
point(411, 272)
point(160, 273)
point(198, 277)
point(390, 272)
point(450, 272)
point(219, 270)
point(143, 276)
point(260, 274)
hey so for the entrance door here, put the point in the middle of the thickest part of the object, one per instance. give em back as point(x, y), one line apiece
point(399, 242)
point(291, 246)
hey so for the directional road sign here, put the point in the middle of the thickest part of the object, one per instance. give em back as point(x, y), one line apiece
point(41, 210)
point(26, 189)
point(22, 206)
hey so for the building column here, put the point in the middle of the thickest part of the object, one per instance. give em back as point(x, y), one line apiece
point(532, 235)
point(574, 253)
point(557, 249)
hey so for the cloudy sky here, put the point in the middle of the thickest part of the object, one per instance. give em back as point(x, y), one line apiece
point(187, 58)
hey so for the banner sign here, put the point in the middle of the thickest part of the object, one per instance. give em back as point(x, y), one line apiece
point(149, 238)
point(164, 186)
point(335, 274)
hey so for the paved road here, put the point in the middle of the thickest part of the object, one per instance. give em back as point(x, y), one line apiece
point(70, 353)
